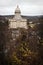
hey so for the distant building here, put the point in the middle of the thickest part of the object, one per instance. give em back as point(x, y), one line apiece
point(17, 21)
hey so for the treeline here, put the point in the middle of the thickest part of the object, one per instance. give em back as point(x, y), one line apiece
point(27, 49)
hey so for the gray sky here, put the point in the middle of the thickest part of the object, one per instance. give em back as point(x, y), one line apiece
point(28, 7)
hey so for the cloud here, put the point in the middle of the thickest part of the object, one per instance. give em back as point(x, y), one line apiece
point(28, 7)
point(15, 2)
point(7, 3)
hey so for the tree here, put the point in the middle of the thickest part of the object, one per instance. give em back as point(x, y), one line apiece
point(3, 38)
point(23, 54)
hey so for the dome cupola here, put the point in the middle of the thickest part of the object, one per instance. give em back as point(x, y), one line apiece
point(17, 10)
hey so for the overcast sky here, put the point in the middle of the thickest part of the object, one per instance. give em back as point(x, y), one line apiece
point(28, 7)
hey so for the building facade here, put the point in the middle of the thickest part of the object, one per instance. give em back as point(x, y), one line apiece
point(17, 22)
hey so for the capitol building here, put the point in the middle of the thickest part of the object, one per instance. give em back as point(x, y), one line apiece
point(17, 21)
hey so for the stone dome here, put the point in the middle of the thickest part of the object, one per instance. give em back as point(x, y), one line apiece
point(17, 10)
